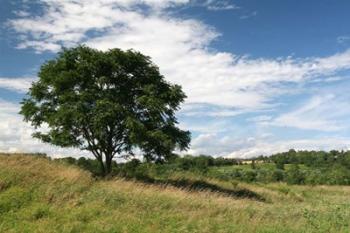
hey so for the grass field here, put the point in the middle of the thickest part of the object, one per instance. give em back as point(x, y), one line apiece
point(39, 195)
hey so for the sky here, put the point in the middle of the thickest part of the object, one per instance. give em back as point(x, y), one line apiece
point(260, 76)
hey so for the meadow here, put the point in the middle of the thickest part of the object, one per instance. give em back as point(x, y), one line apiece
point(42, 195)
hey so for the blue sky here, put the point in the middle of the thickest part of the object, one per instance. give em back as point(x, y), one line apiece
point(260, 76)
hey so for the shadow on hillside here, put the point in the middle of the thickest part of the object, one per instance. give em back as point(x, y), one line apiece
point(201, 185)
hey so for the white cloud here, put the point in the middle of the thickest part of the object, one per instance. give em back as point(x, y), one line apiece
point(260, 119)
point(248, 147)
point(249, 15)
point(203, 110)
point(218, 145)
point(230, 146)
point(217, 83)
point(267, 148)
point(20, 85)
point(321, 112)
point(15, 135)
point(218, 5)
point(181, 47)
point(208, 126)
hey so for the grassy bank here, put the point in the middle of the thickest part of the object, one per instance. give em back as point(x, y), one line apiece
point(38, 195)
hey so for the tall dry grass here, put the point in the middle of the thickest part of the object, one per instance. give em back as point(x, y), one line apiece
point(39, 195)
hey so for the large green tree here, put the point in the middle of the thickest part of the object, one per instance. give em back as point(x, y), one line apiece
point(110, 103)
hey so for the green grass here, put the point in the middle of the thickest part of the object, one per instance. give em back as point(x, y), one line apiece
point(38, 195)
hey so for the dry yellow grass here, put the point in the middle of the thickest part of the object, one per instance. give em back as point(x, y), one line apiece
point(38, 195)
point(36, 166)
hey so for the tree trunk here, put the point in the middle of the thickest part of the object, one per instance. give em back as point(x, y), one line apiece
point(102, 167)
point(108, 164)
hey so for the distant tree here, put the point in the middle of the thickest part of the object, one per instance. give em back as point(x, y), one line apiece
point(220, 161)
point(295, 175)
point(83, 162)
point(91, 165)
point(253, 166)
point(249, 175)
point(129, 168)
point(338, 175)
point(344, 160)
point(108, 103)
point(69, 160)
point(280, 165)
point(277, 175)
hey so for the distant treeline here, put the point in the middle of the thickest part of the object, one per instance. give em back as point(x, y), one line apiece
point(293, 167)
point(310, 158)
point(186, 163)
point(297, 167)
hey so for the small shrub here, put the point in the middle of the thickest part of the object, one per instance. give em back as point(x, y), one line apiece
point(295, 175)
point(249, 175)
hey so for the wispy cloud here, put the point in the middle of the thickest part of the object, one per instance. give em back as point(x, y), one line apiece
point(343, 39)
point(321, 113)
point(219, 5)
point(205, 110)
point(249, 15)
point(20, 85)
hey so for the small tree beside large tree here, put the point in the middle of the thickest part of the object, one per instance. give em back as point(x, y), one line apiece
point(109, 103)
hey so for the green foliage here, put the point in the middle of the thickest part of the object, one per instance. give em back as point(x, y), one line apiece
point(249, 175)
point(335, 173)
point(106, 102)
point(294, 175)
point(278, 175)
point(280, 165)
point(315, 167)
point(200, 163)
point(338, 175)
point(310, 158)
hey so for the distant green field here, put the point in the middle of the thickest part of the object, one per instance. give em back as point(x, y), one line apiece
point(39, 195)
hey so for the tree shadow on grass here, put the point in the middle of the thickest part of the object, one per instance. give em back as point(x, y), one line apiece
point(202, 185)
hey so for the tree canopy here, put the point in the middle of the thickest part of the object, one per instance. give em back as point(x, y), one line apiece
point(110, 103)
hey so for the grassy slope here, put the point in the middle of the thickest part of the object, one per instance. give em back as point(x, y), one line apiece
point(37, 195)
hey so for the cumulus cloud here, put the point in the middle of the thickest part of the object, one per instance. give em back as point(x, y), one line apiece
point(218, 145)
point(15, 135)
point(233, 147)
point(181, 47)
point(217, 83)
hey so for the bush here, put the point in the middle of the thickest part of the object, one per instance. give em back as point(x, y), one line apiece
point(278, 175)
point(249, 175)
point(338, 175)
point(269, 175)
point(295, 175)
point(280, 165)
point(316, 176)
